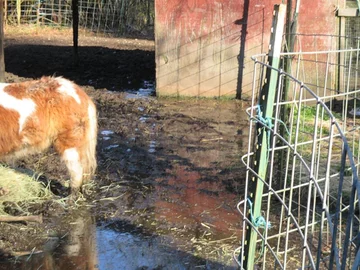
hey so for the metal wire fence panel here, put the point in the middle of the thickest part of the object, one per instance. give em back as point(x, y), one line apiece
point(108, 17)
point(314, 76)
point(310, 206)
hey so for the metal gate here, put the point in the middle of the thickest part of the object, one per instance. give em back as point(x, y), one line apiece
point(309, 205)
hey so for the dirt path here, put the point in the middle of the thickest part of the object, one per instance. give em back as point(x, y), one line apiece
point(169, 173)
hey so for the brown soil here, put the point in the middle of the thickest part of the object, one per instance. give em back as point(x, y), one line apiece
point(171, 168)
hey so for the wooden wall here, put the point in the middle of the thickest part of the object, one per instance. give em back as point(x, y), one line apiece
point(203, 47)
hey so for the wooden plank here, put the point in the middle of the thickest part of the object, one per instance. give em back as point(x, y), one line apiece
point(348, 12)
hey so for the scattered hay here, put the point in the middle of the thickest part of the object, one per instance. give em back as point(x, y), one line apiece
point(20, 188)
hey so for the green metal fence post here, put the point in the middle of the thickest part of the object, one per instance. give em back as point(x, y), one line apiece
point(266, 102)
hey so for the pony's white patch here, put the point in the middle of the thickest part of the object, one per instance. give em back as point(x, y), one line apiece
point(72, 160)
point(67, 88)
point(26, 141)
point(25, 107)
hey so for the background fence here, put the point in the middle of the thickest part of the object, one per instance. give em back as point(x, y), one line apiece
point(115, 17)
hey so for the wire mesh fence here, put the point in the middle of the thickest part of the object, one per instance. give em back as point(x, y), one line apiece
point(310, 207)
point(116, 17)
point(318, 42)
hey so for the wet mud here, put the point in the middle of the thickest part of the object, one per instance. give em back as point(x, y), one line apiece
point(169, 176)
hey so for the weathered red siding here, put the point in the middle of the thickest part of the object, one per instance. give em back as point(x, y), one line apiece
point(200, 43)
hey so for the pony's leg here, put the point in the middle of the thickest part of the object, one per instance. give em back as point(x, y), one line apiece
point(71, 157)
point(77, 146)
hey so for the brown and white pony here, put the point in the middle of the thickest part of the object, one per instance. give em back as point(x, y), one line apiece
point(51, 111)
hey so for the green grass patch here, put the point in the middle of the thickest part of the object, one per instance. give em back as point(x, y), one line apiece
point(308, 113)
point(307, 121)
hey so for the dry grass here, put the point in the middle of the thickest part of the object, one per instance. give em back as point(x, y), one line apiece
point(21, 188)
point(33, 30)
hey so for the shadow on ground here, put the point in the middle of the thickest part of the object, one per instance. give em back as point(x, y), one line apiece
point(100, 67)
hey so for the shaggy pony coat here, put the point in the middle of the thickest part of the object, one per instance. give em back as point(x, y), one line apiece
point(37, 114)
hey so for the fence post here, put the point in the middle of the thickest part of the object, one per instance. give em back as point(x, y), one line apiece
point(75, 18)
point(18, 11)
point(38, 14)
point(266, 102)
point(2, 58)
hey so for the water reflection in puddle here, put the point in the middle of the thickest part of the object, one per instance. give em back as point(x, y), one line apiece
point(147, 90)
point(143, 118)
point(128, 252)
point(189, 202)
point(184, 217)
point(76, 249)
point(112, 246)
point(107, 132)
point(152, 146)
point(112, 146)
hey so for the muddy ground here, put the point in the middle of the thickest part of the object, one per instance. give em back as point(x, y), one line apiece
point(169, 175)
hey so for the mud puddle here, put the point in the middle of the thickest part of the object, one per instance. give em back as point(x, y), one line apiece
point(165, 195)
point(169, 171)
point(115, 245)
point(147, 90)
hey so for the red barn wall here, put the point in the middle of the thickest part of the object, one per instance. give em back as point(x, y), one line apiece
point(318, 25)
point(200, 43)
